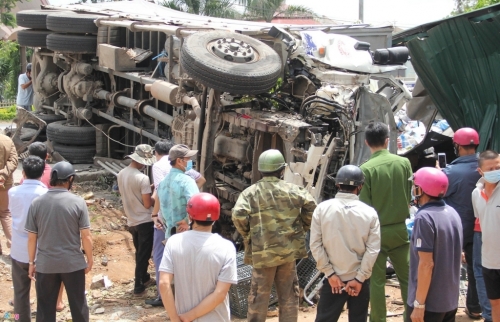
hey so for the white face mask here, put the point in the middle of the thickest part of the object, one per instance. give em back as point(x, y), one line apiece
point(492, 176)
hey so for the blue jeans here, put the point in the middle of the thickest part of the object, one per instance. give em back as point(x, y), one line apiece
point(158, 248)
point(478, 273)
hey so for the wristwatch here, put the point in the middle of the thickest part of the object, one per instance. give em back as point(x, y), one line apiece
point(417, 305)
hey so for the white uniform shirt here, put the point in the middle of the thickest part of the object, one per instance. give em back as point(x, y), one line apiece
point(20, 198)
point(345, 237)
point(488, 213)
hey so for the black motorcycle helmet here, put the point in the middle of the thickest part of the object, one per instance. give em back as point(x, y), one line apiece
point(62, 171)
point(350, 175)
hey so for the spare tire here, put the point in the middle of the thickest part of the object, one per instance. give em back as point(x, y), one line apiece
point(230, 62)
point(78, 44)
point(33, 38)
point(76, 154)
point(68, 133)
point(36, 19)
point(116, 36)
point(71, 22)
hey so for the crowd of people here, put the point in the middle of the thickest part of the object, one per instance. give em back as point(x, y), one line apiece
point(351, 236)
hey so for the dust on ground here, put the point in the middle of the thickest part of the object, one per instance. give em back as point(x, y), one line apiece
point(114, 258)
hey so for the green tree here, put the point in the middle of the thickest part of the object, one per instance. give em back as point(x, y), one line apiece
point(6, 17)
point(211, 8)
point(463, 6)
point(9, 68)
point(269, 9)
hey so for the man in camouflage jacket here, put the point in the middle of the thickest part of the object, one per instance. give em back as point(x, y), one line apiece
point(273, 217)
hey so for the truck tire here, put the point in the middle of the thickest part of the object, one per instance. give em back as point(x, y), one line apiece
point(48, 118)
point(64, 132)
point(116, 38)
point(70, 22)
point(78, 44)
point(36, 19)
point(33, 38)
point(76, 154)
point(203, 58)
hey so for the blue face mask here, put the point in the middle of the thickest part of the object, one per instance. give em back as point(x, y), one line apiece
point(492, 176)
point(189, 165)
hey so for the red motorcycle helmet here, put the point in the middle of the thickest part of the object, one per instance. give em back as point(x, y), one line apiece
point(466, 136)
point(432, 181)
point(203, 207)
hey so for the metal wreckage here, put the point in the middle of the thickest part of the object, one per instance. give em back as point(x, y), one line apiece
point(139, 72)
point(111, 75)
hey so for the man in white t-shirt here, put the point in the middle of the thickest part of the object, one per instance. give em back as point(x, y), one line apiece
point(25, 90)
point(203, 264)
point(135, 190)
point(486, 203)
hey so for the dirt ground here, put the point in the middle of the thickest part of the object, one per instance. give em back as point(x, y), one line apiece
point(114, 258)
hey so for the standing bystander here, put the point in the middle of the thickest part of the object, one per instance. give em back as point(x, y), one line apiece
point(273, 216)
point(20, 199)
point(176, 189)
point(462, 176)
point(388, 190)
point(135, 190)
point(486, 200)
point(161, 168)
point(203, 265)
point(345, 241)
point(8, 164)
point(58, 225)
point(25, 89)
point(39, 149)
point(435, 252)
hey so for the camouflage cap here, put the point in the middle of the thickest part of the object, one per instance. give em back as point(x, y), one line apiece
point(181, 151)
point(143, 154)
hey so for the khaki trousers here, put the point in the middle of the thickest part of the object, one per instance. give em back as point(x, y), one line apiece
point(5, 216)
point(287, 287)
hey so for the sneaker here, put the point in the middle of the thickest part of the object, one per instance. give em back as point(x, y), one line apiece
point(149, 282)
point(154, 302)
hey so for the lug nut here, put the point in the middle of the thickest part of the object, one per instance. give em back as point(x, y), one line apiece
point(242, 42)
point(232, 39)
point(225, 50)
point(220, 46)
point(219, 41)
point(244, 53)
point(236, 53)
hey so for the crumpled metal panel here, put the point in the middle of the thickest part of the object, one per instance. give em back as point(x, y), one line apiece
point(459, 63)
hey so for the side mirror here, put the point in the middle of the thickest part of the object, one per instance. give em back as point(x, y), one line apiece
point(362, 45)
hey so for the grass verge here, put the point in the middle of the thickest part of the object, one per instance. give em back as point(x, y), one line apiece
point(7, 113)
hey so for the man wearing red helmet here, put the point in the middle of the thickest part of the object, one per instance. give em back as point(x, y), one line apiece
point(203, 264)
point(435, 252)
point(462, 176)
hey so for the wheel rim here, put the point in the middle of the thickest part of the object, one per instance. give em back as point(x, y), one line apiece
point(233, 50)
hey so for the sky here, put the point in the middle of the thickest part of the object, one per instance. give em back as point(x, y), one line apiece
point(402, 13)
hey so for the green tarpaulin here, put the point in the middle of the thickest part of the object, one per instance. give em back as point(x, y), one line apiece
point(458, 62)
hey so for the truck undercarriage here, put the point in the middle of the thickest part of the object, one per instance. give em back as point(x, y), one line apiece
point(230, 89)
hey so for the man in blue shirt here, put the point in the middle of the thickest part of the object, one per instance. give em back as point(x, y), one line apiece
point(462, 176)
point(435, 252)
point(25, 90)
point(176, 189)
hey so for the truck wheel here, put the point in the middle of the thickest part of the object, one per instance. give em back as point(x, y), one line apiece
point(70, 22)
point(33, 38)
point(78, 44)
point(76, 154)
point(48, 118)
point(116, 36)
point(68, 133)
point(230, 62)
point(36, 19)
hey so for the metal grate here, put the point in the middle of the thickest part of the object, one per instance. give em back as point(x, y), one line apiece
point(238, 294)
point(306, 270)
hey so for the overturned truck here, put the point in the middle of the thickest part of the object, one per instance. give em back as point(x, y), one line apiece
point(112, 75)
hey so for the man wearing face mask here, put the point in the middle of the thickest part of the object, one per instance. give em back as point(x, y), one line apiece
point(435, 252)
point(462, 176)
point(176, 189)
point(135, 190)
point(486, 203)
point(58, 225)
